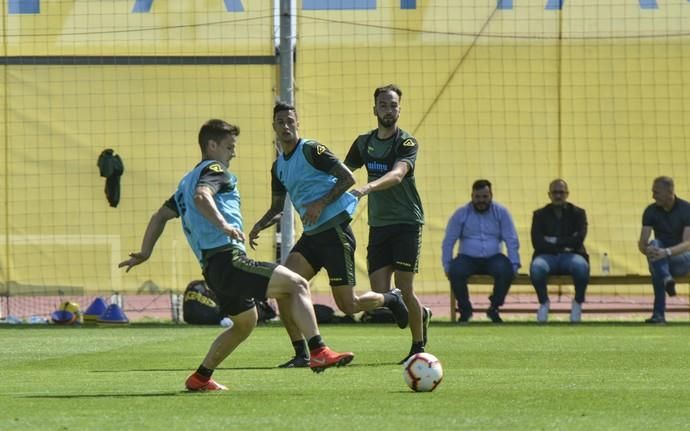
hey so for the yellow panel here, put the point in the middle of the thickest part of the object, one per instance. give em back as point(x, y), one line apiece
point(5, 262)
point(597, 93)
point(61, 118)
point(109, 27)
point(501, 95)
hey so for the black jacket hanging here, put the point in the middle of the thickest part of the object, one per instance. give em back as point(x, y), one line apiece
point(111, 167)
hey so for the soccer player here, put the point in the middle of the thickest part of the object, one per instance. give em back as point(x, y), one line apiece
point(395, 209)
point(208, 202)
point(317, 182)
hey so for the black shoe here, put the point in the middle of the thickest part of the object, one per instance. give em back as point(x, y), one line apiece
point(426, 319)
point(296, 362)
point(399, 309)
point(656, 320)
point(465, 316)
point(492, 313)
point(413, 351)
point(670, 287)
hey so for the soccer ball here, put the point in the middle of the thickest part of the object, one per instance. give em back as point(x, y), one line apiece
point(422, 372)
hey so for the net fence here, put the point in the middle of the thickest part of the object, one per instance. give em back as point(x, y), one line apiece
point(519, 92)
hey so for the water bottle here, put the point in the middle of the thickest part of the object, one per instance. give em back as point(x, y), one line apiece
point(116, 298)
point(605, 264)
point(176, 302)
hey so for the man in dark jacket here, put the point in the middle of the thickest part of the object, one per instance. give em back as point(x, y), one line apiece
point(558, 234)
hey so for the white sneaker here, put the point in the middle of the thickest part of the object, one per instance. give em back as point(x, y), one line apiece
point(575, 312)
point(543, 312)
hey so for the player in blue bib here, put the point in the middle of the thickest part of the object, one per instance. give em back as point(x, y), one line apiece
point(317, 183)
point(208, 202)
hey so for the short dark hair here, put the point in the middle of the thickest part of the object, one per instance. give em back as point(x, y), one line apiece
point(216, 130)
point(282, 106)
point(386, 88)
point(556, 181)
point(480, 184)
point(665, 181)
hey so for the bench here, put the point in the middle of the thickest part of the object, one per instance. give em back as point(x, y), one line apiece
point(566, 280)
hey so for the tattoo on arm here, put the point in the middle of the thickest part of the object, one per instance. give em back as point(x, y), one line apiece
point(345, 181)
point(273, 214)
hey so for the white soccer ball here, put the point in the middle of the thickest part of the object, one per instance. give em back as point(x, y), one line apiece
point(423, 372)
point(226, 322)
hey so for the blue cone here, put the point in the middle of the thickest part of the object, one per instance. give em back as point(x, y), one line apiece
point(95, 310)
point(113, 315)
point(63, 317)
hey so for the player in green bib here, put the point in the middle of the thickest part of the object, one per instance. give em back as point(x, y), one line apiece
point(395, 209)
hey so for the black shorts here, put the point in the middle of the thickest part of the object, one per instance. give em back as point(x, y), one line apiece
point(398, 245)
point(237, 280)
point(333, 249)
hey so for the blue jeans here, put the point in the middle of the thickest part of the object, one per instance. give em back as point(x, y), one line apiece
point(573, 264)
point(462, 267)
point(661, 270)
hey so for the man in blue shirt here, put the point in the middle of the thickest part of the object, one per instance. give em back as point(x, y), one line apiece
point(208, 202)
point(480, 227)
point(669, 253)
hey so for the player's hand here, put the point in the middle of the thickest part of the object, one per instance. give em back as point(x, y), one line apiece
point(358, 193)
point(253, 236)
point(234, 233)
point(134, 260)
point(314, 210)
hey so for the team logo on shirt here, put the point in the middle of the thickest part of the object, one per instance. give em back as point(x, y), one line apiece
point(215, 167)
point(408, 143)
point(320, 149)
point(370, 149)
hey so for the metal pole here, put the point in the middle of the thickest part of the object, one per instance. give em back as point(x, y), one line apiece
point(288, 37)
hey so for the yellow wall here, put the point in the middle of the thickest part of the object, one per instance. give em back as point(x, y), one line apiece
point(518, 96)
point(108, 27)
point(56, 133)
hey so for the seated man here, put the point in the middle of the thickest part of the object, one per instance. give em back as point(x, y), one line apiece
point(669, 253)
point(481, 226)
point(558, 234)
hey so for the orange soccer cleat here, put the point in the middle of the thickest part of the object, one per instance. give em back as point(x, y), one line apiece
point(194, 383)
point(325, 358)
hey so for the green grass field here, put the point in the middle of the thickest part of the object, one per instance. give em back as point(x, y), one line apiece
point(594, 376)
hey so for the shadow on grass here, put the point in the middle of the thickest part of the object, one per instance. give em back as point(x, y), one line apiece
point(564, 323)
point(108, 395)
point(171, 370)
point(238, 368)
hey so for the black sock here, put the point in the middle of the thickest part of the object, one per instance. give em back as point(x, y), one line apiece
point(388, 298)
point(203, 371)
point(316, 342)
point(300, 347)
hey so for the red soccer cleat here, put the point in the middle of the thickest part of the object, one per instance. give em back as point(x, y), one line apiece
point(325, 358)
point(195, 384)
